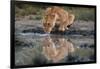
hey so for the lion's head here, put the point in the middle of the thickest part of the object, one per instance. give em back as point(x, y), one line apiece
point(49, 20)
point(57, 16)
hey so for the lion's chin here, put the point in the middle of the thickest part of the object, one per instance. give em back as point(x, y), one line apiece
point(47, 31)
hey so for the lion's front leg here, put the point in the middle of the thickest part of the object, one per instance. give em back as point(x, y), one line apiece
point(62, 28)
point(67, 28)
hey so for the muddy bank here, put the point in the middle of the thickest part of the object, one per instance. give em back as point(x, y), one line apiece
point(78, 28)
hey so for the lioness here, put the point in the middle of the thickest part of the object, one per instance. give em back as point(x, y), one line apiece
point(54, 14)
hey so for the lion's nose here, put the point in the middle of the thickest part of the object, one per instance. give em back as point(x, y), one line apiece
point(48, 24)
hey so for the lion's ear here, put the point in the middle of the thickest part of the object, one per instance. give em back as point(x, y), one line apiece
point(71, 18)
point(48, 10)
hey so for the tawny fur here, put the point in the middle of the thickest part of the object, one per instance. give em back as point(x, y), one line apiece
point(56, 50)
point(54, 14)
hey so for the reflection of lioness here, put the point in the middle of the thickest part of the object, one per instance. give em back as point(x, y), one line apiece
point(54, 14)
point(56, 49)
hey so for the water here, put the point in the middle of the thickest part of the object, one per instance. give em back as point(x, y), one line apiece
point(36, 49)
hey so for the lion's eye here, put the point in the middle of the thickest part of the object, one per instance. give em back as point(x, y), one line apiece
point(53, 14)
point(48, 24)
